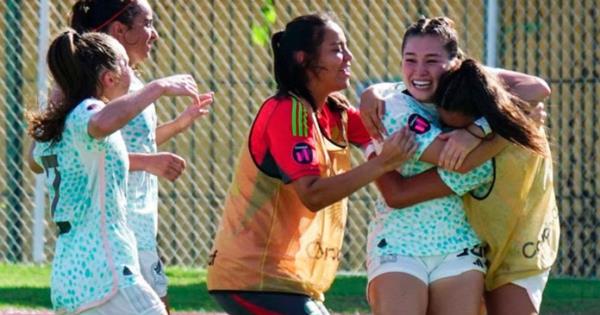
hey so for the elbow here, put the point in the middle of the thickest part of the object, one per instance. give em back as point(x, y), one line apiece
point(397, 203)
point(463, 169)
point(315, 201)
point(313, 204)
point(543, 90)
point(539, 90)
point(35, 167)
point(313, 208)
point(392, 202)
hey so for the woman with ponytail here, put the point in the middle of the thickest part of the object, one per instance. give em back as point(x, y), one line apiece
point(131, 22)
point(515, 215)
point(423, 254)
point(279, 241)
point(80, 148)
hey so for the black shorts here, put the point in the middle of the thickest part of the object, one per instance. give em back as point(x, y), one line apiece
point(267, 303)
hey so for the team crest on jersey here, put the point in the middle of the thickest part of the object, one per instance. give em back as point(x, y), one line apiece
point(418, 124)
point(302, 153)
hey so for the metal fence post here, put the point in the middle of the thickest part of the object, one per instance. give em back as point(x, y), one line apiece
point(14, 127)
point(42, 86)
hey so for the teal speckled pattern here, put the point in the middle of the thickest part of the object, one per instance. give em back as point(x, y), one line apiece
point(98, 255)
point(434, 227)
point(142, 187)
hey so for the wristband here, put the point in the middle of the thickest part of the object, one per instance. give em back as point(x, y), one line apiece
point(482, 123)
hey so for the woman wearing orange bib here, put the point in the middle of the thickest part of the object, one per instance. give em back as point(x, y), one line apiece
point(279, 242)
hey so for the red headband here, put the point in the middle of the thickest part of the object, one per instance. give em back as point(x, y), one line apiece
point(114, 17)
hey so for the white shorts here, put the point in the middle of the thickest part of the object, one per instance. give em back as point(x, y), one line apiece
point(535, 287)
point(429, 268)
point(138, 299)
point(153, 271)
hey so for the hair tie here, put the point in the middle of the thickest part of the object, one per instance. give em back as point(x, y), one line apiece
point(115, 16)
point(71, 35)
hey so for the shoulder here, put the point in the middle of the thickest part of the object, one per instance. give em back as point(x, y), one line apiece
point(398, 104)
point(282, 113)
point(86, 106)
point(277, 105)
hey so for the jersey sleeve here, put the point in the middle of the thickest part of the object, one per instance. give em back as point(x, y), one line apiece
point(386, 89)
point(401, 111)
point(289, 140)
point(357, 133)
point(463, 183)
point(79, 120)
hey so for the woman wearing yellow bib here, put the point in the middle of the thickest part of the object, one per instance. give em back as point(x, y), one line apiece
point(515, 215)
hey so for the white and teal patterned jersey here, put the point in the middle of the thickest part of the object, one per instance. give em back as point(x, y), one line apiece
point(142, 188)
point(433, 227)
point(86, 179)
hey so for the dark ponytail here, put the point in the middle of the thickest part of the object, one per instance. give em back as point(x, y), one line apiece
point(97, 15)
point(469, 90)
point(76, 63)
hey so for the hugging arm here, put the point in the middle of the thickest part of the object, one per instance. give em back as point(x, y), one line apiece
point(530, 88)
point(400, 192)
point(317, 192)
point(482, 152)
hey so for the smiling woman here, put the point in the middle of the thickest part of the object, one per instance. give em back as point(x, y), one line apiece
point(278, 245)
point(423, 254)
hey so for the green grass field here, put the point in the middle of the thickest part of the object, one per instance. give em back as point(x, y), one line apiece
point(27, 287)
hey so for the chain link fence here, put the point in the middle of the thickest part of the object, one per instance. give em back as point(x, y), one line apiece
point(215, 41)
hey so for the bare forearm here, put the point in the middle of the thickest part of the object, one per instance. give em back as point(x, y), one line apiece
point(485, 151)
point(137, 161)
point(120, 111)
point(527, 87)
point(400, 192)
point(167, 131)
point(323, 191)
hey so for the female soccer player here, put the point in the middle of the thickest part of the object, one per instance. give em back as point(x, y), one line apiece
point(131, 22)
point(427, 253)
point(95, 268)
point(279, 241)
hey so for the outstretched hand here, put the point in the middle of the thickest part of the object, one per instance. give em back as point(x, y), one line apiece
point(179, 85)
point(199, 108)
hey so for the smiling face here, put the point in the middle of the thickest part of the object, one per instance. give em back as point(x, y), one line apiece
point(424, 61)
point(332, 70)
point(141, 35)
